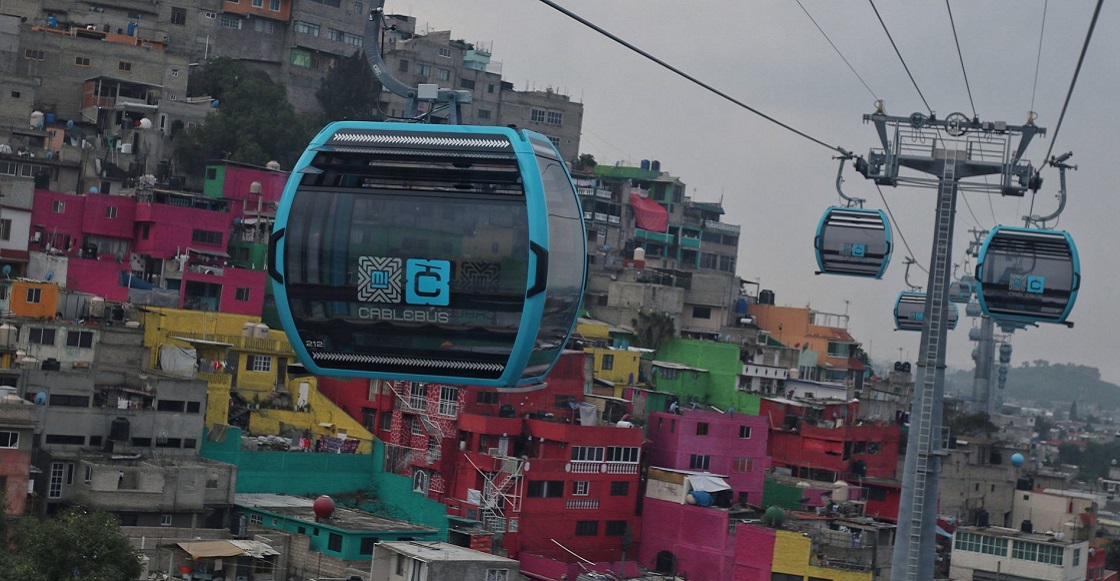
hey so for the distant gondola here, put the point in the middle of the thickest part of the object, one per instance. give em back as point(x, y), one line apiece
point(853, 242)
point(910, 308)
point(1028, 275)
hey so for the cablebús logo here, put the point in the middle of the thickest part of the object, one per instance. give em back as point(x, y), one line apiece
point(418, 281)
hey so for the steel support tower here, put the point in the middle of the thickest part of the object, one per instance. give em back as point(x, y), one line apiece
point(953, 151)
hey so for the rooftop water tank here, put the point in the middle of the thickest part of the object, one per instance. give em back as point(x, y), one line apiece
point(9, 334)
point(260, 331)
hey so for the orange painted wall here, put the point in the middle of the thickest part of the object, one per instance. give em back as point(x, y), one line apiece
point(44, 308)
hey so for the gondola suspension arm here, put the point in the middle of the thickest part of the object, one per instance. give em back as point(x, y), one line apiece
point(1060, 163)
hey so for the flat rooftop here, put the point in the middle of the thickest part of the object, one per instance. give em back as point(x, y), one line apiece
point(301, 509)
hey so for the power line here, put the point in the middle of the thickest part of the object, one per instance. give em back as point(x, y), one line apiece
point(898, 227)
point(957, 40)
point(1038, 57)
point(814, 20)
point(687, 76)
point(896, 51)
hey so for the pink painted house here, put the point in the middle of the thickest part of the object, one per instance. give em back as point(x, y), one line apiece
point(709, 441)
point(754, 553)
point(158, 239)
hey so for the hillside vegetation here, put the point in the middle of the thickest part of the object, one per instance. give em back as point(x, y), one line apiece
point(1043, 381)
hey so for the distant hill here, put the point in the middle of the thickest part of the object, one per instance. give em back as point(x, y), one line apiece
point(1047, 382)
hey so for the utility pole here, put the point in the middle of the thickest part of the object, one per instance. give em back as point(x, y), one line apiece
point(952, 150)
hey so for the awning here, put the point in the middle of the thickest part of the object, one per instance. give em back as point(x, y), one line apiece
point(677, 366)
point(232, 548)
point(216, 253)
point(202, 342)
point(707, 483)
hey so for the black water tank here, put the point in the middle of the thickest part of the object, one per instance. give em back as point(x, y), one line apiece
point(982, 518)
point(119, 430)
point(506, 411)
point(1027, 526)
point(766, 297)
point(1024, 483)
point(51, 364)
point(176, 182)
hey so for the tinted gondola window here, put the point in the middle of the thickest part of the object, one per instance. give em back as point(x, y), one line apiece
point(566, 260)
point(394, 276)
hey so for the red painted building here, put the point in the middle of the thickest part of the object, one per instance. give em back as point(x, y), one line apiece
point(536, 467)
point(824, 440)
point(17, 427)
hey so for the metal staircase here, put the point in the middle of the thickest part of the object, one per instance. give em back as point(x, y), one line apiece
point(502, 487)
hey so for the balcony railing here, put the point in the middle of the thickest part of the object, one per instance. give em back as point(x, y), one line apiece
point(582, 504)
point(603, 468)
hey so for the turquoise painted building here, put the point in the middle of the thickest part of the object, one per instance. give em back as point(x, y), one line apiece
point(346, 534)
point(356, 480)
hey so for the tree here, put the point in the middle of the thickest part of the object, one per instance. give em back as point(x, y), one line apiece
point(78, 545)
point(652, 330)
point(350, 90)
point(252, 123)
point(586, 161)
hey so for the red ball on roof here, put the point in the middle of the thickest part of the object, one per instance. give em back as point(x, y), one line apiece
point(323, 507)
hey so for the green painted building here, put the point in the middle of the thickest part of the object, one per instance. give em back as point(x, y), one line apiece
point(705, 370)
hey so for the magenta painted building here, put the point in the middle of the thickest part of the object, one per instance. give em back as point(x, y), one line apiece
point(694, 541)
point(709, 441)
point(754, 553)
point(98, 277)
point(169, 240)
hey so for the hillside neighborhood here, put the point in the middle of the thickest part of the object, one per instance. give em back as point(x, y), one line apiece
point(694, 427)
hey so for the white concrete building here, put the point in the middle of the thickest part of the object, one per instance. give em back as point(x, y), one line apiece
point(1002, 554)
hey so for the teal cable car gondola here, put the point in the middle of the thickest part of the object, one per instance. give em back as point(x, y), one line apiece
point(1028, 275)
point(444, 253)
point(853, 242)
point(910, 308)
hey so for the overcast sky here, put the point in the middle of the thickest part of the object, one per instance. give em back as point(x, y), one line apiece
point(776, 184)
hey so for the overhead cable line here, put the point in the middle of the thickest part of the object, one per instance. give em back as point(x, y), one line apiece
point(1076, 72)
point(896, 51)
point(1038, 57)
point(814, 20)
point(687, 76)
point(896, 227)
point(1072, 84)
point(960, 55)
point(975, 220)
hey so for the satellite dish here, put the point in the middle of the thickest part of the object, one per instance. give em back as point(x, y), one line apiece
point(49, 276)
point(6, 270)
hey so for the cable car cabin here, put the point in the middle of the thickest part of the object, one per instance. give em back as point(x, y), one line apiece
point(910, 312)
point(960, 291)
point(853, 242)
point(1028, 275)
point(440, 253)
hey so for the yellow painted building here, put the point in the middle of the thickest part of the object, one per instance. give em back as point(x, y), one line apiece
point(793, 556)
point(618, 366)
point(239, 356)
